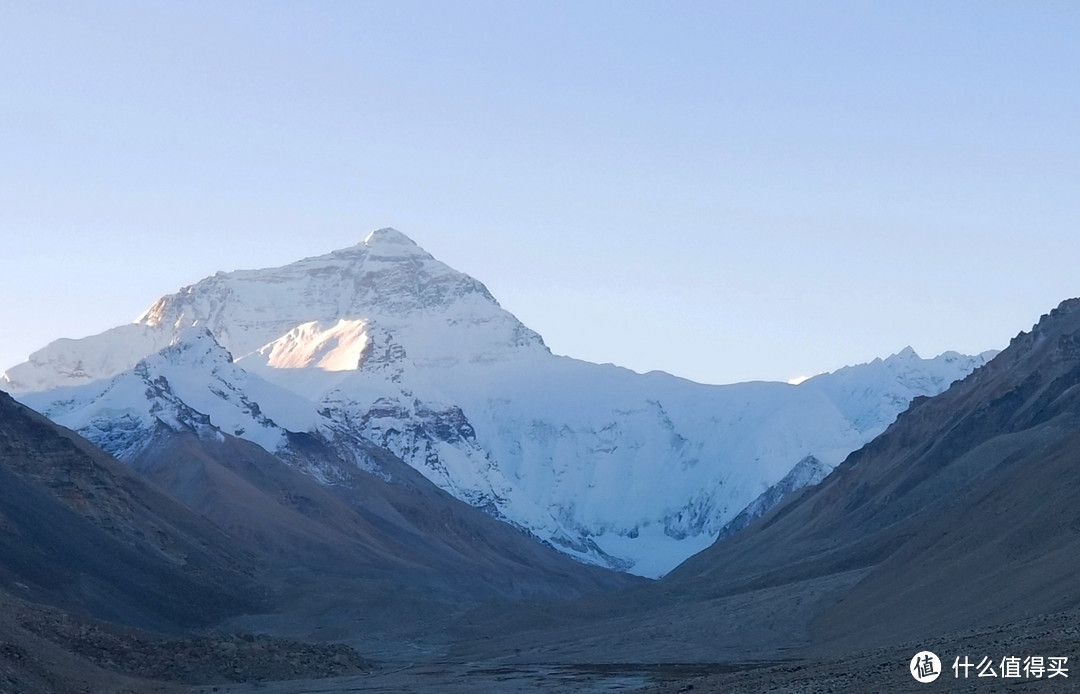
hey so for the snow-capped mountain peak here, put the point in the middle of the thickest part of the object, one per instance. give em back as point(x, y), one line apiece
point(390, 242)
point(387, 243)
point(435, 312)
point(382, 343)
point(906, 354)
point(388, 290)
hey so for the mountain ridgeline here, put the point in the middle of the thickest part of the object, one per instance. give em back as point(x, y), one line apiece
point(381, 344)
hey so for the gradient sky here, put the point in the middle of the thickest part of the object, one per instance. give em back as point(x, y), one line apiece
point(724, 191)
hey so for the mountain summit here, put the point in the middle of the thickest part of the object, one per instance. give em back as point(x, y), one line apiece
point(387, 283)
point(390, 294)
point(382, 343)
point(382, 240)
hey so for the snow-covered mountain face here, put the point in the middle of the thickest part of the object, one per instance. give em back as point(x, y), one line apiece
point(382, 341)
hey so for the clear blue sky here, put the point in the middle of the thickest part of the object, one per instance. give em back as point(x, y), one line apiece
point(725, 191)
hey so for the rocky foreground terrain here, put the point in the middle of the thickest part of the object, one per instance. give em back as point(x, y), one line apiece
point(47, 650)
point(886, 669)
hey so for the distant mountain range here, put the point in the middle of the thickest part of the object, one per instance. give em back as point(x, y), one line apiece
point(349, 363)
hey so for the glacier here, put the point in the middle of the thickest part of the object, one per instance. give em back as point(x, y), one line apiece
point(383, 342)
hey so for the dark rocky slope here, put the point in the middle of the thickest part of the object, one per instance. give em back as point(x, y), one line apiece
point(391, 524)
point(80, 530)
point(383, 564)
point(87, 545)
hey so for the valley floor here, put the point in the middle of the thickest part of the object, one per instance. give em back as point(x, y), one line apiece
point(460, 678)
point(879, 670)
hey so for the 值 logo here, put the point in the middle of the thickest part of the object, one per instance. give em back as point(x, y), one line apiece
point(925, 666)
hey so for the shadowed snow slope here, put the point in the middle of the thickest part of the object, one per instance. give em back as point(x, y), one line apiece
point(381, 342)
